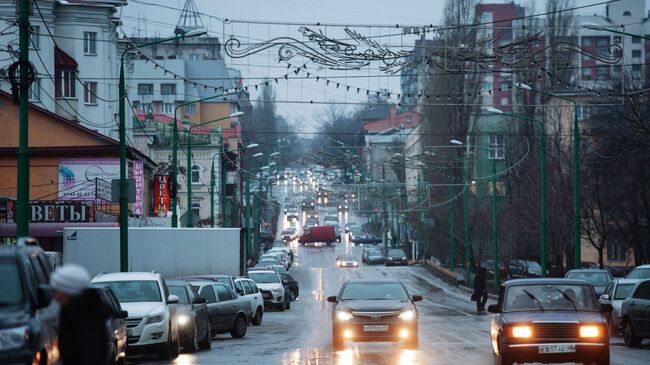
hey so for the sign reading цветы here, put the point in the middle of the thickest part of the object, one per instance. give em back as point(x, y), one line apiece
point(60, 212)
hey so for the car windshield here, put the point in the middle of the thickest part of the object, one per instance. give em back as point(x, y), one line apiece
point(180, 292)
point(595, 278)
point(136, 291)
point(639, 273)
point(264, 277)
point(396, 253)
point(623, 291)
point(224, 280)
point(10, 285)
point(549, 297)
point(347, 258)
point(374, 291)
point(374, 254)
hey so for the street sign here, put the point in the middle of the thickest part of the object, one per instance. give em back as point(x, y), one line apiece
point(115, 190)
point(102, 189)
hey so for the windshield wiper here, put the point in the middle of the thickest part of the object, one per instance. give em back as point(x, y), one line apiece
point(568, 298)
point(534, 298)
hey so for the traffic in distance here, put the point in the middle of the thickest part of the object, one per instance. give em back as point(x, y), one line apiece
point(329, 290)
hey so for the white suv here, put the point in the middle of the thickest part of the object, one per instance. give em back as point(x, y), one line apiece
point(152, 321)
point(250, 291)
point(272, 288)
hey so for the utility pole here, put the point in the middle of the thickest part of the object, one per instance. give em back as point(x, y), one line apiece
point(22, 218)
point(452, 243)
point(495, 242)
point(247, 215)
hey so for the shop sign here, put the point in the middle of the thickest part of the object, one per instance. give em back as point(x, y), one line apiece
point(161, 195)
point(60, 212)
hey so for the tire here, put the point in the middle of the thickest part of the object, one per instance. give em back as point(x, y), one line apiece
point(630, 337)
point(502, 360)
point(292, 295)
point(191, 345)
point(167, 350)
point(280, 307)
point(239, 327)
point(287, 303)
point(206, 342)
point(337, 343)
point(257, 319)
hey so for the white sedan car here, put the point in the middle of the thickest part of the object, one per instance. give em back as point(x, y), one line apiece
point(254, 295)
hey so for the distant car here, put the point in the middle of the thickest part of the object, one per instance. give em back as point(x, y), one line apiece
point(518, 269)
point(284, 248)
point(549, 321)
point(28, 315)
point(347, 260)
point(374, 310)
point(366, 239)
point(227, 280)
point(228, 312)
point(635, 313)
point(615, 293)
point(253, 294)
point(270, 260)
point(639, 272)
point(598, 278)
point(375, 257)
point(294, 289)
point(280, 269)
point(115, 324)
point(284, 258)
point(617, 272)
point(396, 256)
point(193, 317)
point(288, 234)
point(267, 236)
point(365, 252)
point(272, 287)
point(152, 324)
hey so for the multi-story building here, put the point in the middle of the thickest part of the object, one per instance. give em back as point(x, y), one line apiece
point(380, 149)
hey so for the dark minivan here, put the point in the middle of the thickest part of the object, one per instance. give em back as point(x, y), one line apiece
point(27, 312)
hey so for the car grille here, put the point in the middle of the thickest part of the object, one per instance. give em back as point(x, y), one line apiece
point(375, 316)
point(132, 322)
point(133, 340)
point(555, 331)
point(266, 294)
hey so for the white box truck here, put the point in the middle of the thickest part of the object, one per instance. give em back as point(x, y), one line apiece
point(172, 252)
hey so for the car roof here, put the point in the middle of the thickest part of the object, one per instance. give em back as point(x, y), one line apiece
point(262, 270)
point(642, 267)
point(176, 282)
point(627, 281)
point(373, 281)
point(201, 284)
point(550, 281)
point(126, 276)
point(590, 270)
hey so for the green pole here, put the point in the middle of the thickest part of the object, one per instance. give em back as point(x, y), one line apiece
point(212, 191)
point(233, 220)
point(247, 215)
point(22, 214)
point(465, 220)
point(222, 180)
point(190, 217)
point(543, 246)
point(576, 190)
point(452, 244)
point(123, 199)
point(495, 242)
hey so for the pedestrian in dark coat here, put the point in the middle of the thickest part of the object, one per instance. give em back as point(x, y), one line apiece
point(83, 336)
point(480, 294)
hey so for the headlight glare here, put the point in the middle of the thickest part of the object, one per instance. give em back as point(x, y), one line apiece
point(343, 316)
point(155, 318)
point(521, 332)
point(408, 315)
point(589, 331)
point(13, 338)
point(183, 319)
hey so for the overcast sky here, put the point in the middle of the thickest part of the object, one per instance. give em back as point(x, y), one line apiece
point(150, 17)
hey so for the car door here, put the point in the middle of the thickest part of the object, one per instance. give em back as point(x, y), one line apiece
point(214, 309)
point(47, 317)
point(227, 306)
point(249, 295)
point(202, 317)
point(118, 322)
point(640, 308)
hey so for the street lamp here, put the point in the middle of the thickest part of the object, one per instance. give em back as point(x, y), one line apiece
point(576, 172)
point(594, 26)
point(190, 221)
point(124, 200)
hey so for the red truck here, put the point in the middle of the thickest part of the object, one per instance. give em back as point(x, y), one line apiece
point(318, 235)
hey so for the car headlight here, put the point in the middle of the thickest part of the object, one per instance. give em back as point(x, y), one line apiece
point(157, 318)
point(355, 263)
point(183, 319)
point(408, 315)
point(12, 338)
point(521, 332)
point(343, 316)
point(590, 331)
point(390, 259)
point(404, 258)
point(276, 290)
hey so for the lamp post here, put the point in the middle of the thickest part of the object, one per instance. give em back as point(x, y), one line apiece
point(124, 200)
point(542, 152)
point(576, 173)
point(594, 26)
point(190, 220)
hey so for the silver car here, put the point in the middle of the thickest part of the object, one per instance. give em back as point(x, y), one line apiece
point(615, 293)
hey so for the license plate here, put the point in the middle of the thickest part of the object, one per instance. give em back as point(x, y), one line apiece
point(556, 349)
point(375, 328)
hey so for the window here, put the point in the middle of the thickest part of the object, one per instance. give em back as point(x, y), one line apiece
point(627, 13)
point(167, 108)
point(34, 36)
point(496, 147)
point(145, 107)
point(208, 293)
point(500, 188)
point(642, 291)
point(90, 93)
point(485, 86)
point(239, 287)
point(255, 290)
point(65, 83)
point(504, 85)
point(504, 101)
point(636, 53)
point(636, 39)
point(486, 17)
point(248, 289)
point(603, 42)
point(586, 72)
point(586, 42)
point(145, 89)
point(195, 56)
point(168, 89)
point(190, 109)
point(223, 293)
point(615, 250)
point(90, 43)
point(196, 209)
point(637, 68)
point(35, 90)
point(196, 174)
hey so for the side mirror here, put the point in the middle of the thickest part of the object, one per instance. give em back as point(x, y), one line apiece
point(173, 299)
point(605, 297)
point(493, 308)
point(331, 299)
point(417, 298)
point(43, 296)
point(199, 300)
point(606, 308)
point(121, 314)
point(285, 282)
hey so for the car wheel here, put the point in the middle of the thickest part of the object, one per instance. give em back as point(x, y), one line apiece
point(287, 302)
point(192, 343)
point(292, 295)
point(167, 349)
point(206, 342)
point(239, 327)
point(280, 307)
point(257, 319)
point(502, 360)
point(337, 343)
point(630, 337)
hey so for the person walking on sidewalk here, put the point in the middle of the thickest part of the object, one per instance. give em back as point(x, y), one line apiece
point(480, 294)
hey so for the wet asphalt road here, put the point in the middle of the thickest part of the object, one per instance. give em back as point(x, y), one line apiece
point(450, 330)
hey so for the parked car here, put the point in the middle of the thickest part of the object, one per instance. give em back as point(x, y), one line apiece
point(152, 324)
point(639, 272)
point(396, 256)
point(365, 252)
point(375, 257)
point(635, 313)
point(193, 318)
point(518, 269)
point(267, 236)
point(115, 324)
point(284, 258)
point(366, 239)
point(599, 279)
point(615, 293)
point(280, 269)
point(269, 260)
point(616, 271)
point(228, 312)
point(285, 249)
point(272, 287)
point(292, 284)
point(254, 296)
point(227, 280)
point(26, 307)
point(549, 321)
point(289, 234)
point(347, 260)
